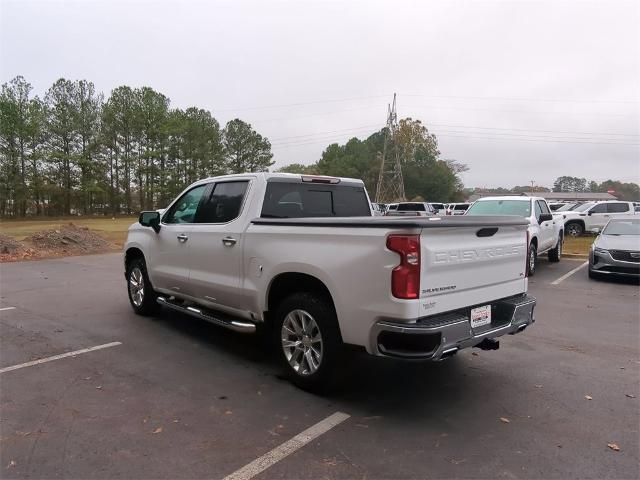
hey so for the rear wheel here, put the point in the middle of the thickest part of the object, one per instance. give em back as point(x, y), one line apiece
point(141, 294)
point(532, 263)
point(575, 229)
point(556, 253)
point(308, 341)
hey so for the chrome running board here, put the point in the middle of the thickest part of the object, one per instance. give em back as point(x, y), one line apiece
point(211, 317)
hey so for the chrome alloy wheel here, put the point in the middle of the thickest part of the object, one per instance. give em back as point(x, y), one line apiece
point(532, 261)
point(136, 286)
point(301, 342)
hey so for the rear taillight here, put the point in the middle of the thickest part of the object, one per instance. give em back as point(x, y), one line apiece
point(405, 278)
point(526, 260)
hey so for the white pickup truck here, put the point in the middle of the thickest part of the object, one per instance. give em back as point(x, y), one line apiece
point(302, 257)
point(545, 232)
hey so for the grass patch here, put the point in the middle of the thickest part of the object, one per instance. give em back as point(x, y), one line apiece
point(112, 229)
point(580, 245)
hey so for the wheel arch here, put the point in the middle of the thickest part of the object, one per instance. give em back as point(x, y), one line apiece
point(131, 254)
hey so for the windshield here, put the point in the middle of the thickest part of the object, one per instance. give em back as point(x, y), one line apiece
point(521, 208)
point(583, 207)
point(623, 227)
point(567, 206)
point(411, 207)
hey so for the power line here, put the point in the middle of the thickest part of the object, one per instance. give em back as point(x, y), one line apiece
point(438, 107)
point(299, 104)
point(529, 130)
point(520, 99)
point(329, 131)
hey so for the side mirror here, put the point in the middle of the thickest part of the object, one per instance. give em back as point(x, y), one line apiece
point(150, 219)
point(545, 217)
point(589, 213)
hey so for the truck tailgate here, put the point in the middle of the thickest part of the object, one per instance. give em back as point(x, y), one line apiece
point(471, 265)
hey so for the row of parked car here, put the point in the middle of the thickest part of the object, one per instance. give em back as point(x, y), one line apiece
point(547, 226)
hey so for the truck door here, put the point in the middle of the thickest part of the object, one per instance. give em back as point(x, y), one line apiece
point(215, 242)
point(547, 231)
point(169, 265)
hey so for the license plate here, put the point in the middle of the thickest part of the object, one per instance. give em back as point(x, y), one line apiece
point(480, 316)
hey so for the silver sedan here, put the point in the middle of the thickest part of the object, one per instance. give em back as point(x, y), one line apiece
point(616, 251)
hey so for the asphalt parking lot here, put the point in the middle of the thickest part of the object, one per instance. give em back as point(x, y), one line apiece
point(178, 398)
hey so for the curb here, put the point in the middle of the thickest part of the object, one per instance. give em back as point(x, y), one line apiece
point(575, 255)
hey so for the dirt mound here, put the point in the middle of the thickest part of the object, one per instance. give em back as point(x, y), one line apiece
point(10, 246)
point(69, 239)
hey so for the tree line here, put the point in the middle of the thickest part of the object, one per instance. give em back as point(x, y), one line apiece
point(427, 176)
point(622, 190)
point(76, 152)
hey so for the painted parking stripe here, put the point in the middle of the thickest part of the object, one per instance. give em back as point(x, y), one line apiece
point(568, 274)
point(58, 357)
point(260, 464)
point(7, 308)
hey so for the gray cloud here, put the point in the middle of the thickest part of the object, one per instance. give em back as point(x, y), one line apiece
point(519, 91)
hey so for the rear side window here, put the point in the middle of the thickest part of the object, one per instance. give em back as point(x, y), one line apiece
point(411, 207)
point(223, 204)
point(617, 207)
point(300, 200)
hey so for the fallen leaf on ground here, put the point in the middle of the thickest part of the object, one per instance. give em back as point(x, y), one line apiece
point(630, 395)
point(474, 354)
point(99, 387)
point(176, 421)
point(613, 447)
point(504, 420)
point(12, 463)
point(457, 462)
point(538, 386)
point(228, 412)
point(157, 430)
point(588, 397)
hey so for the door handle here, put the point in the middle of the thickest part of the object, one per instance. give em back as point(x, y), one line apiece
point(182, 238)
point(229, 241)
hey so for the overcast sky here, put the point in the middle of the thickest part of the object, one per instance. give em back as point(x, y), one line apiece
point(519, 91)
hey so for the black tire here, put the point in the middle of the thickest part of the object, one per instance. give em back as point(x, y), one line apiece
point(137, 273)
point(555, 254)
point(322, 313)
point(532, 261)
point(574, 229)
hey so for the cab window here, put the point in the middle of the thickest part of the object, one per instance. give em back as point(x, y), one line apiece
point(600, 208)
point(222, 203)
point(184, 209)
point(617, 207)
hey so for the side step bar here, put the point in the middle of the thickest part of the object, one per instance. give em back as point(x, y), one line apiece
point(231, 324)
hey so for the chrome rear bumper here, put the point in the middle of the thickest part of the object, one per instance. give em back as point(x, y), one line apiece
point(441, 336)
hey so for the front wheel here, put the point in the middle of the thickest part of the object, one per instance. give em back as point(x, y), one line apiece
point(308, 340)
point(556, 253)
point(532, 263)
point(141, 294)
point(574, 229)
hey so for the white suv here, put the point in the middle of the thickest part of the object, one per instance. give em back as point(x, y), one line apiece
point(590, 216)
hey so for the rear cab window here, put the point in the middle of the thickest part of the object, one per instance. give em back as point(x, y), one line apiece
point(310, 200)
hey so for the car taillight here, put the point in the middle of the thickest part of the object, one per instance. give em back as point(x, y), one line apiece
point(405, 278)
point(526, 260)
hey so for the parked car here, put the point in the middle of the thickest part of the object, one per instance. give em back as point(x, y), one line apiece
point(410, 209)
point(592, 215)
point(556, 205)
point(567, 207)
point(457, 208)
point(545, 233)
point(439, 208)
point(302, 257)
point(616, 250)
point(378, 209)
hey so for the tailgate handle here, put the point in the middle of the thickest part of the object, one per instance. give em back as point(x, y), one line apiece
point(487, 232)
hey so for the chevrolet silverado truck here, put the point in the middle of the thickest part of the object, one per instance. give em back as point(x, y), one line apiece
point(545, 231)
point(302, 258)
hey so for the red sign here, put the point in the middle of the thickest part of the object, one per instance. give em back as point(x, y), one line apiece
point(611, 192)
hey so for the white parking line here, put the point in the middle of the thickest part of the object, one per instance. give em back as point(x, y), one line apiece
point(260, 464)
point(58, 357)
point(568, 274)
point(7, 308)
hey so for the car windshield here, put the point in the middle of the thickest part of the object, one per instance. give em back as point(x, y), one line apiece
point(567, 207)
point(623, 227)
point(501, 207)
point(583, 207)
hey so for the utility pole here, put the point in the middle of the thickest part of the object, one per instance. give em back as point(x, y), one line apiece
point(532, 187)
point(390, 186)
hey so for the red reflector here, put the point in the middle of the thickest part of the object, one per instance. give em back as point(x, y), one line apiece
point(405, 278)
